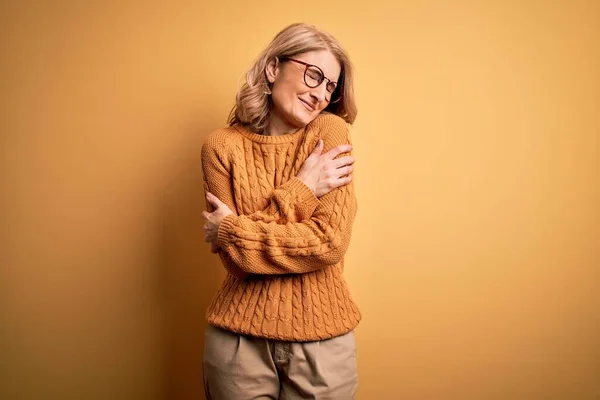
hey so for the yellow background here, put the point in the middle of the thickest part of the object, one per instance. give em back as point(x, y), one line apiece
point(475, 255)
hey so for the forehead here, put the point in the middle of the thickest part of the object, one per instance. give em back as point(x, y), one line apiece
point(323, 59)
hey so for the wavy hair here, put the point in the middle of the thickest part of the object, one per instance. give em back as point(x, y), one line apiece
point(253, 101)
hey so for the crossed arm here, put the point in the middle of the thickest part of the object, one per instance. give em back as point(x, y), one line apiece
point(295, 233)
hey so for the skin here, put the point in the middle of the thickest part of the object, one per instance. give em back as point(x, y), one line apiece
point(295, 105)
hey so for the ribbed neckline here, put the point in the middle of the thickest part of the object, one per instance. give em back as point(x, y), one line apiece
point(266, 139)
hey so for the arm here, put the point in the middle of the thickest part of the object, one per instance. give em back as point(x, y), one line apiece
point(292, 201)
point(261, 246)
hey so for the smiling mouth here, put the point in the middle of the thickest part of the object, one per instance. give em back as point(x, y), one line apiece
point(308, 106)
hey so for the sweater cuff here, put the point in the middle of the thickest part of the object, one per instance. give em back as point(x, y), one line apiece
point(306, 201)
point(225, 228)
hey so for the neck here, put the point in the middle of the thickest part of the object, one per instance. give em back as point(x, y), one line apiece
point(277, 127)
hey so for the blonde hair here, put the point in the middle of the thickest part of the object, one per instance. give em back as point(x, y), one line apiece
point(253, 101)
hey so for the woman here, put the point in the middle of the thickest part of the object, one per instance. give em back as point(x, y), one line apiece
point(282, 207)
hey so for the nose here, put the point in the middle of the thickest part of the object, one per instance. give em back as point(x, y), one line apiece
point(319, 92)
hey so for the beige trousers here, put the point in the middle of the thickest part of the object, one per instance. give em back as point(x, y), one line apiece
point(239, 367)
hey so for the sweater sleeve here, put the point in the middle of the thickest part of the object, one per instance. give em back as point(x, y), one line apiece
point(262, 246)
point(292, 201)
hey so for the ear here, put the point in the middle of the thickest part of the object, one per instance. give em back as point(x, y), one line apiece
point(272, 69)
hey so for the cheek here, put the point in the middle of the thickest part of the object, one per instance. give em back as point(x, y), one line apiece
point(283, 96)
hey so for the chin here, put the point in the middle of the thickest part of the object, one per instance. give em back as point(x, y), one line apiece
point(299, 119)
point(306, 117)
point(306, 120)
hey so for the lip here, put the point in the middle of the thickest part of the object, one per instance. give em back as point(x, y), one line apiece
point(307, 105)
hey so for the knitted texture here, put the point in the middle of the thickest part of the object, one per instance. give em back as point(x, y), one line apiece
point(282, 247)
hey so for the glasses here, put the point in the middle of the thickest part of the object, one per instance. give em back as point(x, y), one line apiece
point(314, 76)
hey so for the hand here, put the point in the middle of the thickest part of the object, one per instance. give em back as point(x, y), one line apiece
point(213, 221)
point(322, 172)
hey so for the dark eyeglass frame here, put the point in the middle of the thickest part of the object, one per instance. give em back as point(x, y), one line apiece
point(307, 66)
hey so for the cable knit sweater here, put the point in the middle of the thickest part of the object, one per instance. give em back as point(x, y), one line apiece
point(283, 248)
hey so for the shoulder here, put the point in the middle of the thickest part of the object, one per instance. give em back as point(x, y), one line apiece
point(329, 121)
point(332, 129)
point(219, 138)
point(221, 147)
point(220, 142)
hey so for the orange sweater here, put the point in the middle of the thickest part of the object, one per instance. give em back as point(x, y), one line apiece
point(283, 247)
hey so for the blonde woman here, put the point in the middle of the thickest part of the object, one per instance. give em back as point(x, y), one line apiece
point(281, 205)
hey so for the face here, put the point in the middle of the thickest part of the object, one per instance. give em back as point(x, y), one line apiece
point(295, 104)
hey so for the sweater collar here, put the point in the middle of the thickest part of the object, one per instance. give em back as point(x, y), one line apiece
point(266, 139)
